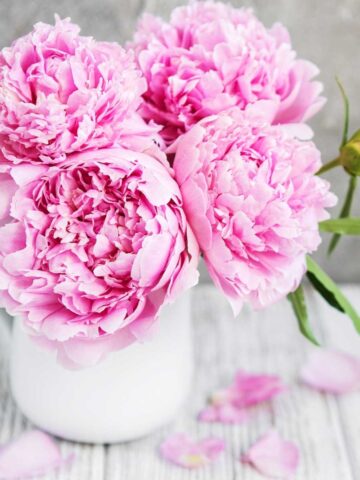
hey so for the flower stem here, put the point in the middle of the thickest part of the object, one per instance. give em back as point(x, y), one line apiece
point(328, 166)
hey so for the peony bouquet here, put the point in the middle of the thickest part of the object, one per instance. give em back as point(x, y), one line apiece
point(121, 166)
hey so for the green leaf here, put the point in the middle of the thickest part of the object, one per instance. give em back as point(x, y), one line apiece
point(345, 211)
point(297, 300)
point(331, 292)
point(324, 292)
point(341, 226)
point(346, 113)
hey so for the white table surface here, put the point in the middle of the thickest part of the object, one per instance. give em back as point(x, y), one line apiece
point(326, 428)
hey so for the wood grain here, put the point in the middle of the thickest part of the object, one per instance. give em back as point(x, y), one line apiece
point(327, 429)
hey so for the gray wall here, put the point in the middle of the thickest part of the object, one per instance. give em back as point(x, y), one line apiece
point(324, 31)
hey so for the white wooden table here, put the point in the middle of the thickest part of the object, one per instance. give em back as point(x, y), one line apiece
point(326, 429)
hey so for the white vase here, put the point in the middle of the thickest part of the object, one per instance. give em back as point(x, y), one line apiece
point(128, 395)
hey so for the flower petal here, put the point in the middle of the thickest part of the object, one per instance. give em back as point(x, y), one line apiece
point(227, 414)
point(231, 404)
point(273, 456)
point(181, 450)
point(33, 453)
point(331, 371)
point(251, 389)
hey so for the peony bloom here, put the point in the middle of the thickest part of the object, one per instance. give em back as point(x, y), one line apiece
point(253, 201)
point(61, 93)
point(212, 56)
point(98, 245)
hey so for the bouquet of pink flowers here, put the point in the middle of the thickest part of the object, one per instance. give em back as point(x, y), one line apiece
point(119, 167)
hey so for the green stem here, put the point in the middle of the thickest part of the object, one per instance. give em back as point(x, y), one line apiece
point(346, 113)
point(328, 166)
point(345, 211)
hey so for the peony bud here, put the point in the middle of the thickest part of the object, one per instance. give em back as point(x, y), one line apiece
point(350, 155)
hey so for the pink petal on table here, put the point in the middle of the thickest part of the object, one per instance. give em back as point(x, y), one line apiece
point(250, 389)
point(185, 452)
point(232, 404)
point(273, 456)
point(332, 372)
point(34, 453)
point(226, 413)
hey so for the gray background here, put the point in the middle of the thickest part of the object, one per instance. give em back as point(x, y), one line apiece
point(324, 31)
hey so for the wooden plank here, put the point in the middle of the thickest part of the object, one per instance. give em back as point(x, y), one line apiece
point(326, 429)
point(269, 341)
point(266, 341)
point(340, 334)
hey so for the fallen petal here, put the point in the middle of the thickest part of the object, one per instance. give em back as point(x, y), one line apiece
point(273, 456)
point(251, 389)
point(183, 451)
point(332, 372)
point(223, 414)
point(34, 453)
point(232, 404)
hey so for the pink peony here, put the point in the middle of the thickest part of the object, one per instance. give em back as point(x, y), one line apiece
point(61, 93)
point(253, 201)
point(212, 56)
point(98, 245)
